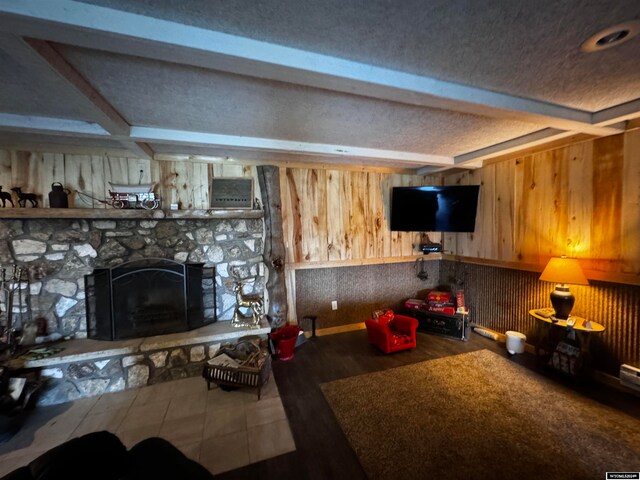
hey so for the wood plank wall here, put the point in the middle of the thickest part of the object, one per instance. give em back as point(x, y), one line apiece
point(582, 201)
point(183, 182)
point(333, 217)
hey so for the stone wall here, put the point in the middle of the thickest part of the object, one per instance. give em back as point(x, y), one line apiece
point(74, 380)
point(55, 254)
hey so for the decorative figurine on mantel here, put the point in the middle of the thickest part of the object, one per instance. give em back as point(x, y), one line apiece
point(252, 301)
point(58, 196)
point(24, 197)
point(4, 196)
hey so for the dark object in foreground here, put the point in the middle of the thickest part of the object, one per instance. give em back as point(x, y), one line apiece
point(102, 456)
point(16, 398)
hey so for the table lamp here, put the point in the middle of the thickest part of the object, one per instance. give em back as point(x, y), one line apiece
point(563, 271)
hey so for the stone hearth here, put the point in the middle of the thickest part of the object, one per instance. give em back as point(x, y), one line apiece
point(92, 367)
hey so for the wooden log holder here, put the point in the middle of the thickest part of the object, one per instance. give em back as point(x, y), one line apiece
point(238, 376)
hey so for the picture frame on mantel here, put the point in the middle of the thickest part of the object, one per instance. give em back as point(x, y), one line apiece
point(231, 193)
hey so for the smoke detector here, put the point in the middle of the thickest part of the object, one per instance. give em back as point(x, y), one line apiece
point(611, 37)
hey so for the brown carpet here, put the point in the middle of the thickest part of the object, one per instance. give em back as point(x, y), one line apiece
point(479, 415)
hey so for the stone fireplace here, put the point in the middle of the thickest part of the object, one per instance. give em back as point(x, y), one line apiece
point(58, 253)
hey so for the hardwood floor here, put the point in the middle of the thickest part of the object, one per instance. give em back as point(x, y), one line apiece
point(323, 451)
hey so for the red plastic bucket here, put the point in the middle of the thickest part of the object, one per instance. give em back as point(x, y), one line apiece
point(284, 340)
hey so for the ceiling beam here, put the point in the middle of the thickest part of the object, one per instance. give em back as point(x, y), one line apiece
point(619, 113)
point(431, 170)
point(139, 137)
point(112, 121)
point(55, 126)
point(524, 149)
point(549, 136)
point(139, 149)
point(43, 61)
point(315, 164)
point(90, 26)
point(526, 141)
point(542, 137)
point(68, 128)
point(181, 137)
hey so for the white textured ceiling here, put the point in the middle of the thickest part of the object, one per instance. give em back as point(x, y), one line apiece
point(527, 48)
point(442, 83)
point(158, 94)
point(22, 92)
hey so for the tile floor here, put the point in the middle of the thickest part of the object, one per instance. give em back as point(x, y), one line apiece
point(221, 430)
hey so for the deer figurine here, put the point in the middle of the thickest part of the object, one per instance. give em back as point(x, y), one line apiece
point(23, 197)
point(4, 196)
point(252, 301)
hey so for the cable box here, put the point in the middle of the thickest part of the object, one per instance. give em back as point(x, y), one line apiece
point(430, 247)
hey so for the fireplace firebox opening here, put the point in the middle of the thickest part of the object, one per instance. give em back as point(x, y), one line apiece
point(147, 297)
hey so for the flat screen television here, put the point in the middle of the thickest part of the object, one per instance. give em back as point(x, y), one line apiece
point(434, 209)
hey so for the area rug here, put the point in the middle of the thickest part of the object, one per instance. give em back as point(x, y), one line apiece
point(478, 415)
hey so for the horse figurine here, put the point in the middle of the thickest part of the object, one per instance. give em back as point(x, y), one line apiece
point(23, 197)
point(4, 196)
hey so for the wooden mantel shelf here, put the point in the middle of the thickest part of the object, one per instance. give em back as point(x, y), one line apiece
point(112, 213)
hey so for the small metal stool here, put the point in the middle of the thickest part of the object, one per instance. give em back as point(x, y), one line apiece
point(312, 319)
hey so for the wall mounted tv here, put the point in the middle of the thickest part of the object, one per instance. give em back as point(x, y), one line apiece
point(434, 209)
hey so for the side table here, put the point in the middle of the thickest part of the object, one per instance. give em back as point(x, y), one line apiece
point(552, 332)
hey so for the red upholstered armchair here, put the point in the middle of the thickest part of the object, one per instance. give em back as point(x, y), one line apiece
point(392, 333)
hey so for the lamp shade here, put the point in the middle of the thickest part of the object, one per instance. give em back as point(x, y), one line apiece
point(564, 270)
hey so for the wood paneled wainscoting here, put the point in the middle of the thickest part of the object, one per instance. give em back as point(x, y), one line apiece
point(358, 290)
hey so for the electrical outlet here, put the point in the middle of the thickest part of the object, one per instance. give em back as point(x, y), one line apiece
point(334, 305)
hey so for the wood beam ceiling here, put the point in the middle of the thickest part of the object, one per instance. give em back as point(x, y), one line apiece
point(90, 26)
point(43, 60)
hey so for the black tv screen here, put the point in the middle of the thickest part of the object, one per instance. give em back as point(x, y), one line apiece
point(434, 209)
